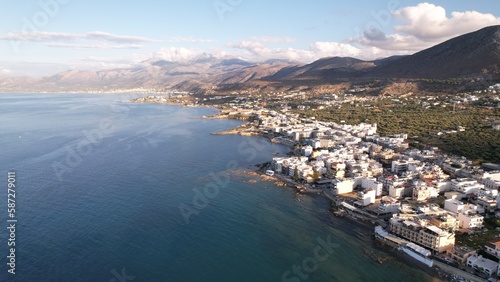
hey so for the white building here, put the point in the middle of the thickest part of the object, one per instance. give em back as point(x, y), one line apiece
point(492, 193)
point(372, 183)
point(443, 186)
point(454, 205)
point(307, 151)
point(397, 192)
point(399, 166)
point(487, 266)
point(389, 205)
point(491, 180)
point(470, 220)
point(366, 197)
point(343, 187)
point(489, 204)
point(315, 143)
point(466, 185)
point(453, 195)
point(423, 191)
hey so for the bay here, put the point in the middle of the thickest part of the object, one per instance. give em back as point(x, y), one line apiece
point(108, 190)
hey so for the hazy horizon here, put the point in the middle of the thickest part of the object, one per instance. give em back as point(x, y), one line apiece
point(46, 37)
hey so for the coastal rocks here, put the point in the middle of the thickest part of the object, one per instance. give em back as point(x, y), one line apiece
point(279, 183)
point(376, 257)
point(263, 177)
point(244, 130)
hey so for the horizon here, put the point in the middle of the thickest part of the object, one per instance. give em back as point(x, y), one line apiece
point(47, 37)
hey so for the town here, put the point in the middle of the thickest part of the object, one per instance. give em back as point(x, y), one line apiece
point(441, 209)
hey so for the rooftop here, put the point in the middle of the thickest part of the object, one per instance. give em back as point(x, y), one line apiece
point(435, 229)
point(494, 243)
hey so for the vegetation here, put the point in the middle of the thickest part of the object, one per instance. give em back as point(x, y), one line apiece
point(296, 174)
point(316, 175)
point(427, 125)
point(480, 237)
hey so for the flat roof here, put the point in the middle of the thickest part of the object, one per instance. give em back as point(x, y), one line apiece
point(435, 229)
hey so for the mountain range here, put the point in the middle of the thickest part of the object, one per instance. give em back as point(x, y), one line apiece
point(472, 55)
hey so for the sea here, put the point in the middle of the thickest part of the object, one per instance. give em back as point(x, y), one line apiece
point(107, 190)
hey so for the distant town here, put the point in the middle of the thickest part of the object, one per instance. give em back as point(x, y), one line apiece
point(443, 210)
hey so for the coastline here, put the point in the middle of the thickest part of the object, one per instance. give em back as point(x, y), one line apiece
point(245, 129)
point(351, 222)
point(361, 228)
point(356, 228)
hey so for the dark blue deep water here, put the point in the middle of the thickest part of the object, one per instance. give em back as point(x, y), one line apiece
point(112, 191)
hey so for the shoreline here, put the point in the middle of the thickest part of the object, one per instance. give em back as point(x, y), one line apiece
point(363, 228)
point(283, 181)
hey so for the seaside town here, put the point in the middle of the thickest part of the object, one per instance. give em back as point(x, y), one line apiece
point(441, 210)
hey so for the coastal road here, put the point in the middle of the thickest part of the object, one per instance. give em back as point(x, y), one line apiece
point(453, 270)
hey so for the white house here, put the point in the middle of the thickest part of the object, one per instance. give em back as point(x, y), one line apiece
point(307, 150)
point(454, 205)
point(399, 166)
point(344, 187)
point(443, 186)
point(366, 197)
point(485, 265)
point(489, 204)
point(315, 143)
point(372, 183)
point(466, 185)
point(397, 192)
point(491, 180)
point(470, 220)
point(388, 204)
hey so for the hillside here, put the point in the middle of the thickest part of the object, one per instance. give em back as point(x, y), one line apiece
point(469, 54)
point(472, 55)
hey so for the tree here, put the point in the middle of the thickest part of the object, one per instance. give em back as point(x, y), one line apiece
point(295, 174)
point(316, 175)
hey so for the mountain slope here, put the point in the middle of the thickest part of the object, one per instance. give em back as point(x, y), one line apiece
point(474, 54)
point(469, 54)
point(322, 69)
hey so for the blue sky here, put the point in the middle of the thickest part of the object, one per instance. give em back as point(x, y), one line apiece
point(47, 36)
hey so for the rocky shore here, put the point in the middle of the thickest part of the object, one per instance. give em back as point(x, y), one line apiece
point(355, 226)
point(245, 130)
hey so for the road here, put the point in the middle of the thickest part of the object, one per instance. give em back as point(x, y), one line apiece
point(453, 270)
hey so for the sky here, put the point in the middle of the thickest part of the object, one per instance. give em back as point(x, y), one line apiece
point(44, 37)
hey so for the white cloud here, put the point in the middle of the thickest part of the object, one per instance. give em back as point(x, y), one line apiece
point(429, 22)
point(95, 46)
point(99, 35)
point(189, 40)
point(5, 71)
point(255, 49)
point(40, 36)
point(31, 68)
point(327, 49)
point(394, 42)
point(176, 54)
point(257, 45)
point(424, 26)
point(273, 39)
point(89, 40)
point(102, 63)
point(44, 36)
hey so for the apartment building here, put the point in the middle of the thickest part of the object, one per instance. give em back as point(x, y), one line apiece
point(431, 237)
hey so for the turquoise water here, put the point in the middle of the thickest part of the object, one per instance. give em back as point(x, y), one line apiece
point(111, 191)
